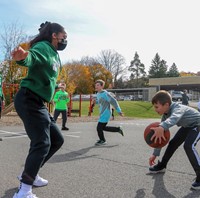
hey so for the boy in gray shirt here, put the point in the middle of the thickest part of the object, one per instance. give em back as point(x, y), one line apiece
point(189, 121)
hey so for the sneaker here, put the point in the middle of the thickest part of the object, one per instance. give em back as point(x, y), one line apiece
point(27, 195)
point(196, 185)
point(65, 128)
point(158, 168)
point(121, 131)
point(38, 182)
point(100, 142)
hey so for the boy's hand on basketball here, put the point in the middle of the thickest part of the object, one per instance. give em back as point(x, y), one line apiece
point(158, 134)
point(152, 160)
point(19, 54)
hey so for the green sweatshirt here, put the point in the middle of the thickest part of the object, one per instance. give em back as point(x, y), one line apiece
point(61, 99)
point(43, 64)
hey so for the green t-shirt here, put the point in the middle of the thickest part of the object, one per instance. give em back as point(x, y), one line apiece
point(43, 64)
point(61, 99)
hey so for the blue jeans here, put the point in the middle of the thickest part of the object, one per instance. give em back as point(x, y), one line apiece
point(45, 136)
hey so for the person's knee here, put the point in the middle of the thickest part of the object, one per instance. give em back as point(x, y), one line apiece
point(58, 142)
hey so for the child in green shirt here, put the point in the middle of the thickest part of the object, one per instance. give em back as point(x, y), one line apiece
point(61, 99)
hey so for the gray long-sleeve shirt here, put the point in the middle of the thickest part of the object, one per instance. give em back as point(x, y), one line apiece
point(179, 115)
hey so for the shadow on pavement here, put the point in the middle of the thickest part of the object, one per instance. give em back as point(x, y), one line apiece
point(9, 193)
point(140, 193)
point(76, 155)
point(159, 189)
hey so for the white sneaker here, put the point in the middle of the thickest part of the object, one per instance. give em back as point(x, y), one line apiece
point(38, 182)
point(28, 195)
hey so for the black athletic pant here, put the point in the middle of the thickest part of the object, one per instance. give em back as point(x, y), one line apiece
point(190, 137)
point(42, 130)
point(64, 116)
point(102, 127)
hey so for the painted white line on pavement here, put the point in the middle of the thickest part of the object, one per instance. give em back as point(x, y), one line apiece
point(136, 124)
point(10, 132)
point(73, 132)
point(72, 136)
point(18, 135)
point(12, 137)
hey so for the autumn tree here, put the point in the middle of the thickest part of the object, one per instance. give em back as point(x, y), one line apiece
point(79, 75)
point(63, 78)
point(11, 37)
point(98, 71)
point(158, 68)
point(113, 62)
point(184, 74)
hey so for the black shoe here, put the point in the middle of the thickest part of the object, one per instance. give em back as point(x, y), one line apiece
point(100, 142)
point(121, 131)
point(158, 168)
point(196, 184)
point(65, 128)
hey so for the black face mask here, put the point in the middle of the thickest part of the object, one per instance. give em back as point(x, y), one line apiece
point(62, 45)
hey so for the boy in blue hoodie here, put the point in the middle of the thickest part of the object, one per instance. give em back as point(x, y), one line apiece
point(104, 100)
point(189, 121)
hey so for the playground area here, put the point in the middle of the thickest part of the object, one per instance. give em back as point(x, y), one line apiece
point(10, 90)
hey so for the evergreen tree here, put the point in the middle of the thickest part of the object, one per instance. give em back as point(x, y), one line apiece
point(158, 68)
point(173, 71)
point(137, 68)
point(119, 84)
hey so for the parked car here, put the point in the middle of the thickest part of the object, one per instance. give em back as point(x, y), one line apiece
point(127, 98)
point(176, 95)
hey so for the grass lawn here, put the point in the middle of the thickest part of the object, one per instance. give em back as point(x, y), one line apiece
point(135, 109)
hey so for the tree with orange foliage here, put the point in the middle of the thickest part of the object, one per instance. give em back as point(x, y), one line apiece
point(184, 74)
point(79, 75)
point(63, 78)
point(11, 37)
point(98, 71)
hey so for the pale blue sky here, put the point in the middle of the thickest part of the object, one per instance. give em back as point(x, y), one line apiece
point(169, 27)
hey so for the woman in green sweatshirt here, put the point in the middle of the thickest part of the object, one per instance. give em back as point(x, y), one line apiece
point(36, 88)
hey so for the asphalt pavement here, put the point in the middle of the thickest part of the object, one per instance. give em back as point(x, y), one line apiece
point(81, 170)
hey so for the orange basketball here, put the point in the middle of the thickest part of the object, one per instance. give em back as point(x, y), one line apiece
point(148, 133)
